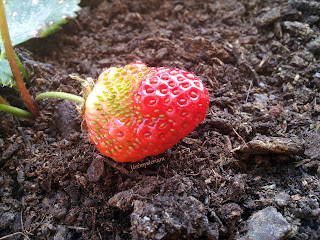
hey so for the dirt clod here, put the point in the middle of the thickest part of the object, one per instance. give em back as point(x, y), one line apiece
point(275, 145)
point(267, 224)
point(172, 213)
point(96, 169)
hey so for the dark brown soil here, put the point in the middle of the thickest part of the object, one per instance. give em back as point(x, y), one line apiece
point(258, 146)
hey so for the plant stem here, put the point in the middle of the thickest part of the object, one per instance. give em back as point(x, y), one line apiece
point(63, 95)
point(20, 65)
point(22, 69)
point(2, 56)
point(15, 111)
point(3, 101)
point(13, 62)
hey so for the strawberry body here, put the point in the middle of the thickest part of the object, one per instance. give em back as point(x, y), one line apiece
point(137, 111)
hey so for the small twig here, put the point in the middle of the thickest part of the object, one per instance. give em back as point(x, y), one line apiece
point(264, 59)
point(239, 136)
point(211, 82)
point(99, 234)
point(204, 143)
point(236, 149)
point(22, 225)
point(14, 234)
point(31, 61)
point(249, 90)
point(78, 228)
point(304, 173)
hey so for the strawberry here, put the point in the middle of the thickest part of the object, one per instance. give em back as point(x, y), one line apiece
point(137, 111)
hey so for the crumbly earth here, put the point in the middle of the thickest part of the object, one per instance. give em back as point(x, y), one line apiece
point(257, 149)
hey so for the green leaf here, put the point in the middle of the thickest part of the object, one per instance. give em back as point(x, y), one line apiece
point(6, 77)
point(37, 18)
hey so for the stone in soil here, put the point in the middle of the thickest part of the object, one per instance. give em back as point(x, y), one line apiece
point(266, 224)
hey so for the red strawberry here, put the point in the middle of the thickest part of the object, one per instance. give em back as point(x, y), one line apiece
point(137, 111)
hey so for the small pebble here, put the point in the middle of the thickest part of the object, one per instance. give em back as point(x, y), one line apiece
point(266, 224)
point(281, 199)
point(62, 233)
point(298, 28)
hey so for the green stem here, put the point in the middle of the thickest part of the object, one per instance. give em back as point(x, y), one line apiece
point(22, 69)
point(20, 65)
point(15, 111)
point(3, 55)
point(13, 63)
point(63, 95)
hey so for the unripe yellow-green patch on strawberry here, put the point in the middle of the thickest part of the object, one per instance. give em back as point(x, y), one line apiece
point(137, 111)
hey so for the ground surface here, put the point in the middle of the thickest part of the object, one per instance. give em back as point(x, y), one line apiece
point(250, 170)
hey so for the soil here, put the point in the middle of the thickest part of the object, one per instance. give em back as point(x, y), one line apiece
point(250, 170)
